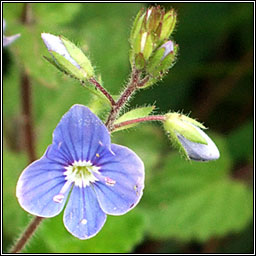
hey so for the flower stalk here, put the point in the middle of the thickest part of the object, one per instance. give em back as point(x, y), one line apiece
point(139, 120)
point(136, 82)
point(31, 228)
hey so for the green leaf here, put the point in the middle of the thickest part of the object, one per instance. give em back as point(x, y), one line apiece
point(196, 200)
point(148, 142)
point(15, 218)
point(133, 114)
point(119, 235)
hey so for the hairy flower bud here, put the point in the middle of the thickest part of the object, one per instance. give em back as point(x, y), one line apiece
point(150, 29)
point(186, 135)
point(163, 59)
point(68, 57)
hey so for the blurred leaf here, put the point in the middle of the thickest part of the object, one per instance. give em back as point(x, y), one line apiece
point(15, 218)
point(191, 200)
point(119, 235)
point(133, 114)
point(147, 141)
point(240, 142)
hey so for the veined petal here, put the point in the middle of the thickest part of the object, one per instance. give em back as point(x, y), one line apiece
point(197, 151)
point(80, 133)
point(37, 186)
point(83, 216)
point(121, 180)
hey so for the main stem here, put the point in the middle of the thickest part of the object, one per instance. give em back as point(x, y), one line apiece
point(27, 234)
point(130, 89)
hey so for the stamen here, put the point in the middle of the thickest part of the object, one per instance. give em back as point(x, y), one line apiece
point(97, 155)
point(59, 198)
point(81, 173)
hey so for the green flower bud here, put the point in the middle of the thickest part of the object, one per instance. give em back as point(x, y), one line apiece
point(162, 60)
point(68, 57)
point(169, 22)
point(186, 135)
point(150, 29)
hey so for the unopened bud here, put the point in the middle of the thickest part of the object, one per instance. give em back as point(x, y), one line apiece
point(150, 29)
point(163, 59)
point(168, 25)
point(68, 57)
point(187, 136)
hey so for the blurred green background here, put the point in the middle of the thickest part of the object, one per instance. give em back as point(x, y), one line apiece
point(187, 207)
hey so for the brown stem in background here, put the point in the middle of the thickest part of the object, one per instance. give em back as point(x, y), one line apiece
point(26, 235)
point(26, 99)
point(26, 103)
point(26, 15)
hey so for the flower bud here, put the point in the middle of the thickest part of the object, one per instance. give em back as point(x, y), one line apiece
point(150, 29)
point(68, 57)
point(8, 39)
point(169, 22)
point(186, 135)
point(163, 59)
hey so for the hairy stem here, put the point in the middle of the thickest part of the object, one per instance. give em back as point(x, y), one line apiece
point(138, 120)
point(130, 89)
point(29, 231)
point(103, 90)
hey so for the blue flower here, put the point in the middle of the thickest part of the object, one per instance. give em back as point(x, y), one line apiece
point(81, 163)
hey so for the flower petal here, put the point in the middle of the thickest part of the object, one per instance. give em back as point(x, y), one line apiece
point(37, 186)
point(197, 151)
point(121, 180)
point(83, 216)
point(80, 133)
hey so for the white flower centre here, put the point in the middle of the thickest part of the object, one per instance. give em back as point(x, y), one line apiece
point(81, 173)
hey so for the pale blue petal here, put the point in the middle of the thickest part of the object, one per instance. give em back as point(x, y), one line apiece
point(83, 216)
point(80, 134)
point(121, 180)
point(38, 184)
